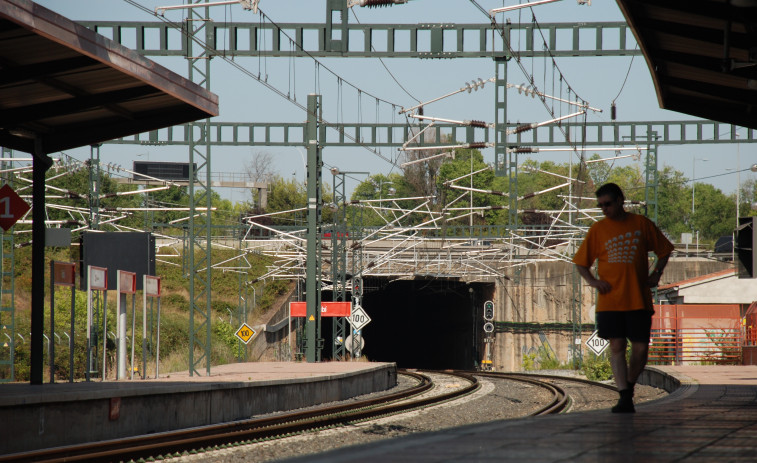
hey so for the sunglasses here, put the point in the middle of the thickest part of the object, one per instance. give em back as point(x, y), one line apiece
point(606, 203)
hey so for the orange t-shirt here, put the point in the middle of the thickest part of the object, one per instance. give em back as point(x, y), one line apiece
point(622, 247)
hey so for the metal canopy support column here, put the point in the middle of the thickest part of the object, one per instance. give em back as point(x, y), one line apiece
point(199, 195)
point(40, 166)
point(313, 341)
point(339, 262)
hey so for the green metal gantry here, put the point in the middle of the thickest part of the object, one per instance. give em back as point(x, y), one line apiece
point(313, 340)
point(336, 37)
point(199, 231)
point(339, 261)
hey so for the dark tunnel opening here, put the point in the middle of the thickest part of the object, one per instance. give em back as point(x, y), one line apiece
point(427, 324)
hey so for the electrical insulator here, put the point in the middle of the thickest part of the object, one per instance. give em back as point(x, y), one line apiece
point(480, 124)
point(488, 310)
point(523, 128)
point(613, 111)
point(377, 3)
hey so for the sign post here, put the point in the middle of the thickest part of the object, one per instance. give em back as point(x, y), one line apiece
point(97, 281)
point(245, 333)
point(62, 274)
point(150, 288)
point(127, 284)
point(358, 319)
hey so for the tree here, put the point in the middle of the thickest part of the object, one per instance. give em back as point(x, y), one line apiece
point(287, 195)
point(715, 214)
point(173, 197)
point(458, 172)
point(674, 207)
point(260, 170)
point(376, 194)
point(421, 177)
point(73, 191)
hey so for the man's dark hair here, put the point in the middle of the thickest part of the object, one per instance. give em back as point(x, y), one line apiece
point(611, 189)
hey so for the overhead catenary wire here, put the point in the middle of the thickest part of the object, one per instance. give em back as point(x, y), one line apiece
point(264, 81)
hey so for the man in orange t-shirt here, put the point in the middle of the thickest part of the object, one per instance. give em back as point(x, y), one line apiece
point(621, 243)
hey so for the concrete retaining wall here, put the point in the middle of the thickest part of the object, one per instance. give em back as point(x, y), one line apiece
point(55, 419)
point(539, 297)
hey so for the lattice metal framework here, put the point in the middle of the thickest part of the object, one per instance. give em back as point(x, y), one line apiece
point(426, 40)
point(199, 197)
point(339, 261)
point(313, 340)
point(393, 135)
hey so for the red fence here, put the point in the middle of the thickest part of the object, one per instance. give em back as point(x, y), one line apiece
point(750, 326)
point(696, 334)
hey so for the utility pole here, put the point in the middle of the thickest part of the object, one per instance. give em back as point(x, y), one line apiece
point(313, 340)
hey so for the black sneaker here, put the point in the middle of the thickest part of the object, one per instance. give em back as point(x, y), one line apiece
point(624, 405)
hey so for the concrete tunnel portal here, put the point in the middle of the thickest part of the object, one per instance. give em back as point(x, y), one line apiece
point(427, 324)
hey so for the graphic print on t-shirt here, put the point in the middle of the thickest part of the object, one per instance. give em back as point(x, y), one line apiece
point(622, 248)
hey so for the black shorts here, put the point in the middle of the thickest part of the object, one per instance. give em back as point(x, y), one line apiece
point(634, 325)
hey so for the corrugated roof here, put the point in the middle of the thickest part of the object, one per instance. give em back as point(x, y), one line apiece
point(701, 54)
point(70, 86)
point(699, 279)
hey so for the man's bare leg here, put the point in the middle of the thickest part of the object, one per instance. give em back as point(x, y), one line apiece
point(618, 362)
point(621, 373)
point(639, 354)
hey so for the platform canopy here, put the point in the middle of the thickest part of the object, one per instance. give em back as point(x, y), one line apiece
point(69, 86)
point(702, 55)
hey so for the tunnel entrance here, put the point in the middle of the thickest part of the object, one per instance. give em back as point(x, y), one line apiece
point(429, 324)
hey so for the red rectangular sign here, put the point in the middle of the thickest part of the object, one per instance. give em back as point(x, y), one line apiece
point(127, 281)
point(98, 278)
point(151, 286)
point(64, 273)
point(328, 309)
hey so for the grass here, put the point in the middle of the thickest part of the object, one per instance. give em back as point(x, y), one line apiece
point(175, 311)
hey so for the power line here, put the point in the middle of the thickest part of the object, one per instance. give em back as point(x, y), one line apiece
point(264, 81)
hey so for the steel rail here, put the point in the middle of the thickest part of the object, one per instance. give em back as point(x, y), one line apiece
point(236, 433)
point(561, 399)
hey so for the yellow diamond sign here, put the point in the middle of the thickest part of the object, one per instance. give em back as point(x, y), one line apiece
point(245, 333)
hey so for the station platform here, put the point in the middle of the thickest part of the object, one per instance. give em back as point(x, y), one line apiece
point(42, 416)
point(711, 416)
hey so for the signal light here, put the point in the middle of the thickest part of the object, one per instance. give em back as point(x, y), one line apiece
point(488, 311)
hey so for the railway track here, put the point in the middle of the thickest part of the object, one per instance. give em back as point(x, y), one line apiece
point(239, 433)
point(562, 400)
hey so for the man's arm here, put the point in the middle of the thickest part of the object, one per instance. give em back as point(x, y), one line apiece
point(602, 286)
point(654, 278)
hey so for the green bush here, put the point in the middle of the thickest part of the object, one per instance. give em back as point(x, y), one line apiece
point(541, 360)
point(597, 368)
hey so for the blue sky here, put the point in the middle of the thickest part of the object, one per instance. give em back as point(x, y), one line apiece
point(596, 80)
